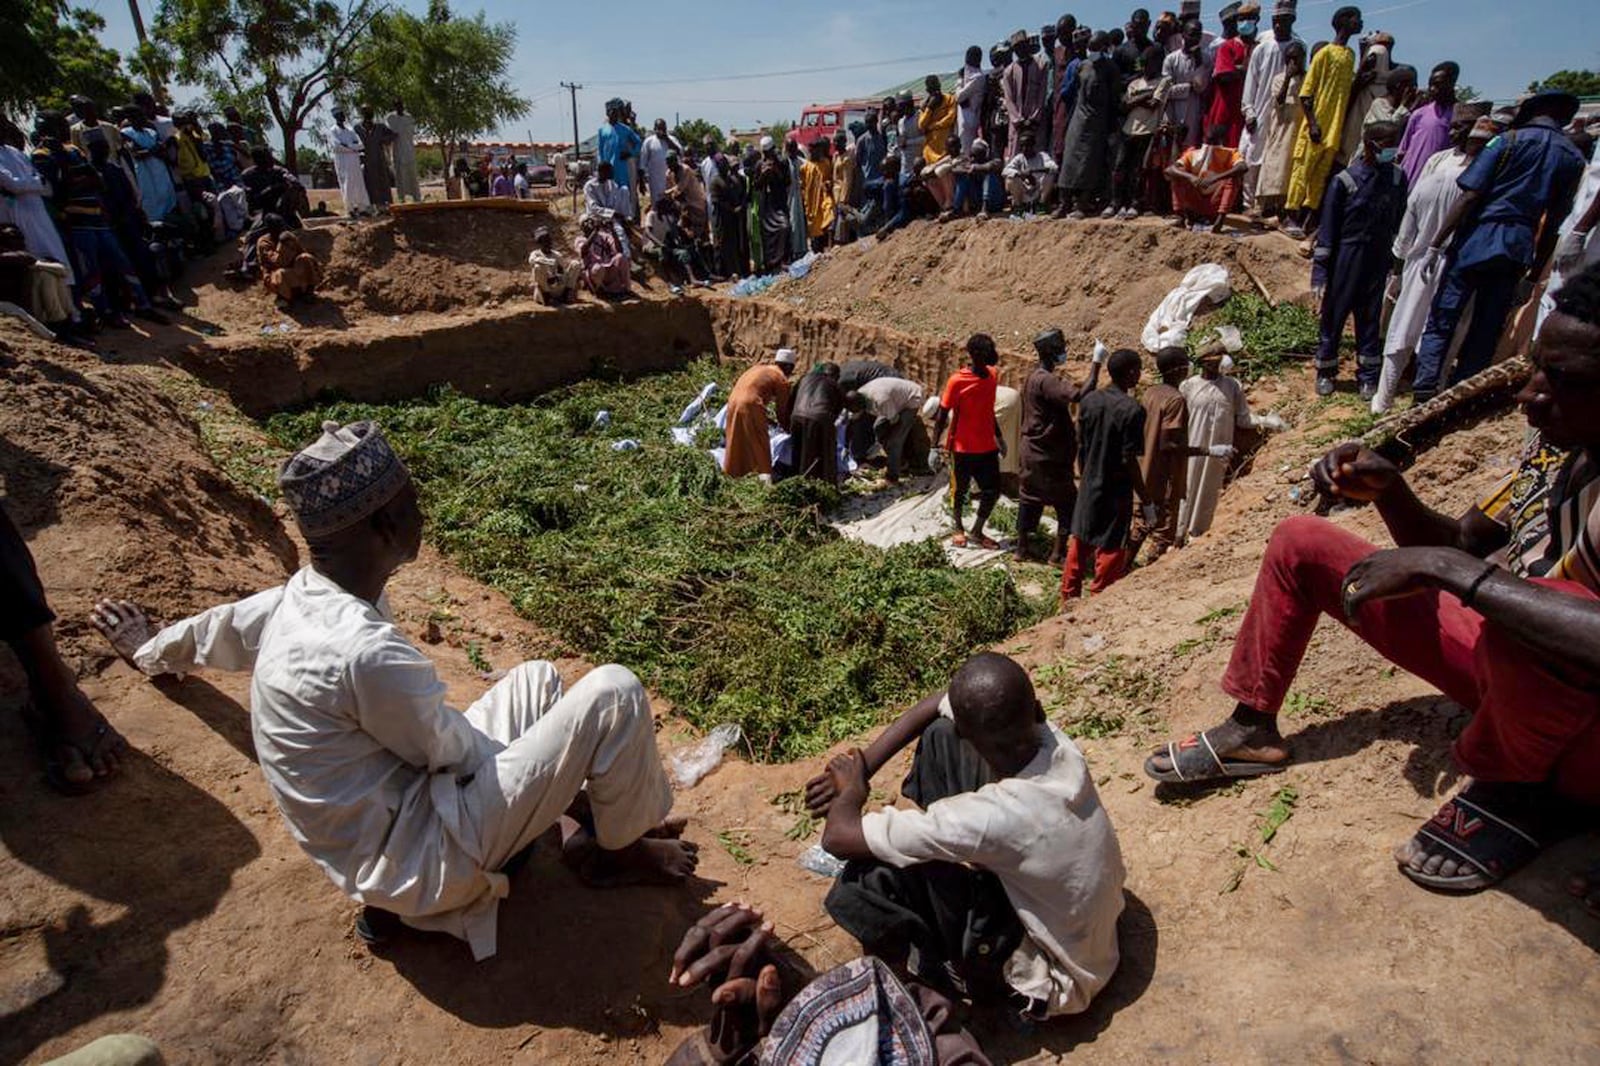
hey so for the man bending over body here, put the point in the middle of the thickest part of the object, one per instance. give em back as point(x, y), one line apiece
point(1008, 881)
point(409, 806)
point(1518, 644)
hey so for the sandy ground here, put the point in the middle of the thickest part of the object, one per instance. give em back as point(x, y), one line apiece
point(175, 903)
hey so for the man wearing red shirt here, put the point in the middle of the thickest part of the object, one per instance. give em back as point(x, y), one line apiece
point(975, 445)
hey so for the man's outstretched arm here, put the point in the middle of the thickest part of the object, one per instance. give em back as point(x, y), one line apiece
point(822, 790)
point(225, 637)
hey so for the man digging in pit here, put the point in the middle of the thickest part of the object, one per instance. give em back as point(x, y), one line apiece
point(1517, 643)
point(410, 807)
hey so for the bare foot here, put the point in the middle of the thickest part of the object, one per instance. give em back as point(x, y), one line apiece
point(671, 828)
point(647, 861)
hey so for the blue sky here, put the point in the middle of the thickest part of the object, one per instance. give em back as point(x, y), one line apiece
point(611, 49)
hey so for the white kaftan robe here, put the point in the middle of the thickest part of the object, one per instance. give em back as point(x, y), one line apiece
point(22, 193)
point(969, 107)
point(653, 161)
point(1429, 203)
point(403, 152)
point(405, 803)
point(1588, 189)
point(1266, 63)
point(346, 145)
point(1217, 408)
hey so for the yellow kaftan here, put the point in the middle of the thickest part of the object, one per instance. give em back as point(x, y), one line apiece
point(1328, 84)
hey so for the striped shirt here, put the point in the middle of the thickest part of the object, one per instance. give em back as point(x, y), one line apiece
point(1550, 508)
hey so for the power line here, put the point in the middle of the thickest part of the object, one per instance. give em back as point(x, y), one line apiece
point(786, 73)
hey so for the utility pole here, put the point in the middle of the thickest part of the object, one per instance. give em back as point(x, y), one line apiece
point(573, 88)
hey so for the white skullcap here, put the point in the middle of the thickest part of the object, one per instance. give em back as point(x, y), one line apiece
point(785, 357)
point(766, 144)
point(979, 142)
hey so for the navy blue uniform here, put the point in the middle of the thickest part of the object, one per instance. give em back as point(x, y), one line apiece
point(1522, 175)
point(1360, 217)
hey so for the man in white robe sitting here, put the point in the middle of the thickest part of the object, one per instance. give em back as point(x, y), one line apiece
point(411, 807)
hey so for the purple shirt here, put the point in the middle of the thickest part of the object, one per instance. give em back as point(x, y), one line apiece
point(1427, 133)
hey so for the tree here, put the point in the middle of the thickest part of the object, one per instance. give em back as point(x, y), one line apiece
point(1576, 82)
point(289, 54)
point(693, 133)
point(779, 131)
point(52, 53)
point(450, 72)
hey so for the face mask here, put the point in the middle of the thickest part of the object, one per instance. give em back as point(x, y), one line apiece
point(1387, 155)
point(1247, 29)
point(1226, 366)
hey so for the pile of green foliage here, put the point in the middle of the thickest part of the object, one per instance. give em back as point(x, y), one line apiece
point(1271, 333)
point(731, 598)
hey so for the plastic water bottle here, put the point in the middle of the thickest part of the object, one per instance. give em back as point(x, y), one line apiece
point(697, 760)
point(820, 862)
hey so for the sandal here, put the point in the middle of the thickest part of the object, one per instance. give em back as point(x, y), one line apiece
point(959, 540)
point(1194, 761)
point(1469, 830)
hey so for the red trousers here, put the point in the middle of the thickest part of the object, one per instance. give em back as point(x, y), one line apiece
point(1108, 567)
point(1530, 723)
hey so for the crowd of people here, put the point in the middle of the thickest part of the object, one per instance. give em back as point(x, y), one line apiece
point(1338, 143)
point(1117, 472)
point(99, 215)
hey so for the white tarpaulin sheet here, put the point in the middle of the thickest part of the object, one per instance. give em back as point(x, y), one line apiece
point(920, 510)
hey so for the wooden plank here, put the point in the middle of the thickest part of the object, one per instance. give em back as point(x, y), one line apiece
point(488, 203)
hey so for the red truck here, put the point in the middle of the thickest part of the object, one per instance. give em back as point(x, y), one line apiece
point(824, 120)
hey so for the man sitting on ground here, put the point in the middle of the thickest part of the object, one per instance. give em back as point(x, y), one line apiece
point(555, 278)
point(407, 804)
point(1205, 183)
point(1518, 644)
point(1007, 883)
point(288, 271)
point(1029, 175)
point(606, 269)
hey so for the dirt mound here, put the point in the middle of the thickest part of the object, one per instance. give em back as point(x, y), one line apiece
point(433, 262)
point(1013, 279)
point(105, 474)
point(393, 267)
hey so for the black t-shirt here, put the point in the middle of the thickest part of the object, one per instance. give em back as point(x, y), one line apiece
point(1110, 432)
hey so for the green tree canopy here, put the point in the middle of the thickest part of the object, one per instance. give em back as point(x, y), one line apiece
point(693, 132)
point(53, 52)
point(1577, 82)
point(289, 55)
point(450, 72)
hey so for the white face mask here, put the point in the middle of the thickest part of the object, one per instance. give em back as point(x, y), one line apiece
point(1226, 366)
